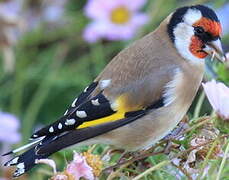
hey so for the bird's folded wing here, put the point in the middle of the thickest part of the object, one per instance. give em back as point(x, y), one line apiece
point(107, 105)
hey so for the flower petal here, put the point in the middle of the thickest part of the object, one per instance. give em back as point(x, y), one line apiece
point(79, 168)
point(224, 106)
point(11, 123)
point(210, 91)
point(134, 5)
point(49, 162)
point(139, 19)
point(125, 31)
point(94, 31)
point(98, 9)
point(218, 96)
point(60, 177)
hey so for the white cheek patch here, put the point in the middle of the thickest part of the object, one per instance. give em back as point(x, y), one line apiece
point(184, 31)
point(183, 34)
point(192, 16)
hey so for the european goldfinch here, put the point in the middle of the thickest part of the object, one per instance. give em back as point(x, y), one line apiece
point(141, 95)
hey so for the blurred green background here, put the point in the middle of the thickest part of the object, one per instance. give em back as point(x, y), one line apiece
point(53, 63)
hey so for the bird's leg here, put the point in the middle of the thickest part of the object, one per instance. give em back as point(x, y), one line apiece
point(168, 147)
point(181, 127)
point(175, 134)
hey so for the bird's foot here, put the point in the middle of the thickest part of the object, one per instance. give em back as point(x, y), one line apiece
point(179, 130)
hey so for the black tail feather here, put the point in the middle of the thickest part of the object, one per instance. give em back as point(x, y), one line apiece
point(8, 153)
point(27, 160)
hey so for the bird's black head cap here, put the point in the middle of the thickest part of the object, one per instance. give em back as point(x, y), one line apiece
point(179, 14)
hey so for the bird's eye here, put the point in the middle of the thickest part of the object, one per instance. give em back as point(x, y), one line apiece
point(199, 30)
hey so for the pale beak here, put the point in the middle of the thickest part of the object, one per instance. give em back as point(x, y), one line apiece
point(214, 48)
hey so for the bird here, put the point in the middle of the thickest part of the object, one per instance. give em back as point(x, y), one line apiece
point(141, 95)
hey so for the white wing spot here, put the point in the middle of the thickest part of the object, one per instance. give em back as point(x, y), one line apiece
point(85, 90)
point(14, 161)
point(95, 102)
point(114, 106)
point(70, 122)
point(74, 102)
point(21, 166)
point(51, 129)
point(20, 170)
point(81, 114)
point(60, 126)
point(66, 112)
point(104, 83)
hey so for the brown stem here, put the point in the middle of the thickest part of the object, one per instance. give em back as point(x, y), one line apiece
point(142, 156)
point(145, 155)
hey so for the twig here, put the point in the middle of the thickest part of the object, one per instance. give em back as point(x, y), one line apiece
point(206, 119)
point(163, 163)
point(147, 153)
point(200, 145)
point(142, 156)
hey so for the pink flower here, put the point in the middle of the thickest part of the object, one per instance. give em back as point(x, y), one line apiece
point(49, 162)
point(60, 177)
point(79, 168)
point(75, 170)
point(218, 96)
point(9, 126)
point(113, 19)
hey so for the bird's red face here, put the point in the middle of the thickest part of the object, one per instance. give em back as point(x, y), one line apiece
point(204, 29)
point(196, 33)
